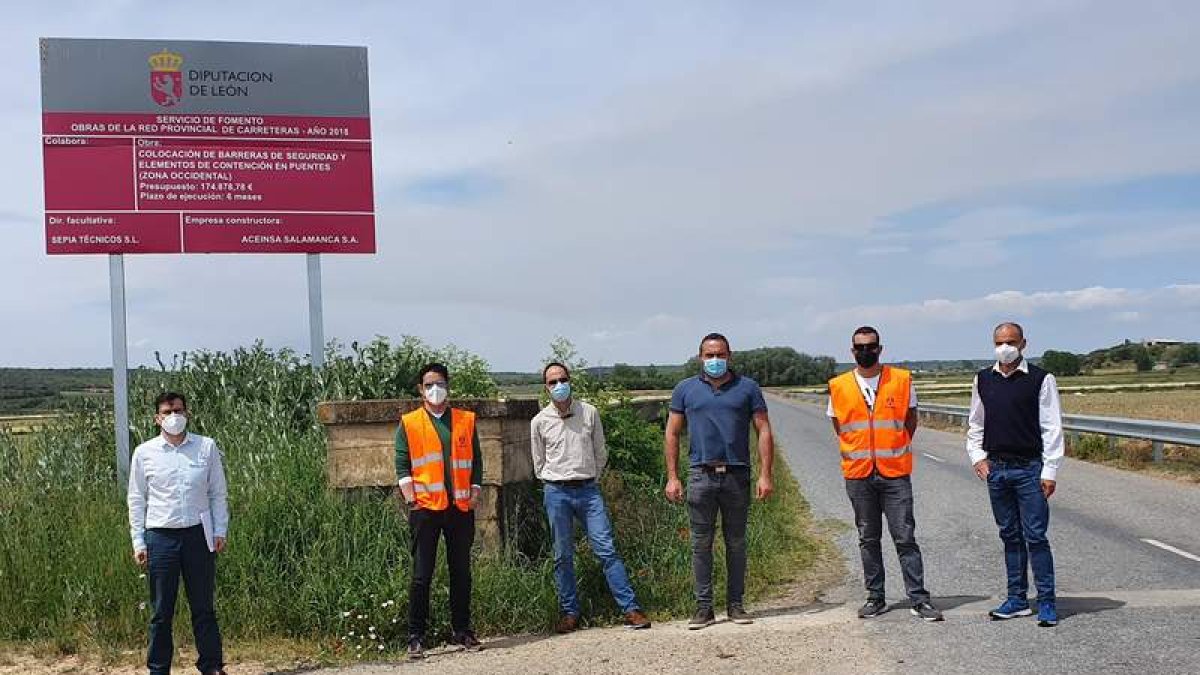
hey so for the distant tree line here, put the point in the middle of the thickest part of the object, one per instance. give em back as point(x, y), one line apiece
point(779, 366)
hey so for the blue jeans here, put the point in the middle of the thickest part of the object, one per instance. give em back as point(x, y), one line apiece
point(173, 553)
point(1023, 515)
point(564, 505)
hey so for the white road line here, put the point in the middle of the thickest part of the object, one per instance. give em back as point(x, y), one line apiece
point(934, 458)
point(1172, 549)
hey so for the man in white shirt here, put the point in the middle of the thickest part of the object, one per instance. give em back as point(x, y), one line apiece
point(567, 444)
point(1015, 442)
point(178, 520)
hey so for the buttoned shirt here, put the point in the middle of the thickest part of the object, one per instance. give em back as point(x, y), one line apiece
point(171, 485)
point(570, 445)
point(1049, 418)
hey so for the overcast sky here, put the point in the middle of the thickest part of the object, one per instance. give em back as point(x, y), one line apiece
point(634, 175)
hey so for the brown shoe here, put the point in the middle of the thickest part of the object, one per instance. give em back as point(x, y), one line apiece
point(567, 623)
point(636, 620)
point(467, 641)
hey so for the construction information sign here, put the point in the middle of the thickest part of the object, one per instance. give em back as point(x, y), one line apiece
point(206, 147)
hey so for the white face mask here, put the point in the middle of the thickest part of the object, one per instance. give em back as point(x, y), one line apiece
point(174, 424)
point(436, 394)
point(1007, 354)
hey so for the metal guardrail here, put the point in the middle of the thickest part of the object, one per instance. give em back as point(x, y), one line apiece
point(1155, 431)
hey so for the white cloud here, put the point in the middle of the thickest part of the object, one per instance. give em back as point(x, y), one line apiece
point(1007, 305)
point(1139, 240)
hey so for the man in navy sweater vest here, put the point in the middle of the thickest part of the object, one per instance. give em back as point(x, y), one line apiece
point(1015, 441)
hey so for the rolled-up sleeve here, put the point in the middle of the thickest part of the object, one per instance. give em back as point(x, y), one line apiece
point(537, 446)
point(218, 494)
point(136, 500)
point(599, 449)
point(1050, 419)
point(975, 425)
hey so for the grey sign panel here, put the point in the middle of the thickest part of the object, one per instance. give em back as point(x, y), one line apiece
point(247, 78)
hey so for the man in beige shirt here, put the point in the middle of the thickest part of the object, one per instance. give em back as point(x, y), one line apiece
point(568, 456)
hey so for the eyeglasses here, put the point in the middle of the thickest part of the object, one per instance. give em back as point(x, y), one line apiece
point(561, 380)
point(874, 346)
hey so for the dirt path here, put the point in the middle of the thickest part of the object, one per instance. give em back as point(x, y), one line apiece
point(819, 638)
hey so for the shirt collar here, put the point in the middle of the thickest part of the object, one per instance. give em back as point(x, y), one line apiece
point(733, 377)
point(1023, 366)
point(166, 445)
point(552, 410)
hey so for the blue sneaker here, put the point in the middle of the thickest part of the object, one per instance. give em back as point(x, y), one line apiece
point(1047, 614)
point(1011, 609)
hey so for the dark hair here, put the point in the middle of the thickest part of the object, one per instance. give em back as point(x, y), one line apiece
point(555, 364)
point(433, 368)
point(1009, 324)
point(715, 336)
point(167, 397)
point(866, 330)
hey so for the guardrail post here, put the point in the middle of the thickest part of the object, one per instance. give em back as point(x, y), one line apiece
point(1157, 446)
point(1112, 446)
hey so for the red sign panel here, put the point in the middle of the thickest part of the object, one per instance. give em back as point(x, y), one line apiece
point(225, 150)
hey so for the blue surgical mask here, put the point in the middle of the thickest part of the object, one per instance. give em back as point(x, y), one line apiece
point(715, 367)
point(561, 391)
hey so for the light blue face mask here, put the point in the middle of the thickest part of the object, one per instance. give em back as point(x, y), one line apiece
point(715, 367)
point(561, 391)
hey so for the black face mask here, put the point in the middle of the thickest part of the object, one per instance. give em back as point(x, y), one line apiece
point(866, 359)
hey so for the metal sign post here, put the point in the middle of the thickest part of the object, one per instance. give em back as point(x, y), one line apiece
point(316, 319)
point(120, 366)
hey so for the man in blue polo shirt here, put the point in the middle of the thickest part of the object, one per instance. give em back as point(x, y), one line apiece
point(718, 406)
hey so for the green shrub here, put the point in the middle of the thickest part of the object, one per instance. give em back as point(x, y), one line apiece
point(304, 561)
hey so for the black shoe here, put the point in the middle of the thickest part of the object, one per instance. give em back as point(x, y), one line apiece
point(872, 607)
point(415, 650)
point(703, 618)
point(467, 641)
point(926, 611)
point(738, 615)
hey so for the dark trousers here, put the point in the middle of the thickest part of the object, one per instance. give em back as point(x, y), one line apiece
point(710, 493)
point(174, 553)
point(458, 528)
point(1023, 516)
point(873, 498)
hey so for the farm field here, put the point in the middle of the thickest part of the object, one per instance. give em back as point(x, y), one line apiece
point(1174, 406)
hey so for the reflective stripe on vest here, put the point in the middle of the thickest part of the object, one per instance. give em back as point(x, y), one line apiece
point(428, 467)
point(873, 439)
point(427, 459)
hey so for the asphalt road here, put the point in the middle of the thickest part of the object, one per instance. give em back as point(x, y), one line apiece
point(1126, 605)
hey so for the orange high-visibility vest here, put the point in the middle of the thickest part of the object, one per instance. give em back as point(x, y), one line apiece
point(428, 468)
point(873, 438)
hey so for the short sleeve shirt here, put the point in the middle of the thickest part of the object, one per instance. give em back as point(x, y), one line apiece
point(718, 420)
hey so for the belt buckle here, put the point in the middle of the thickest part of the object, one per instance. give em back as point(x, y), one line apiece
point(720, 468)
